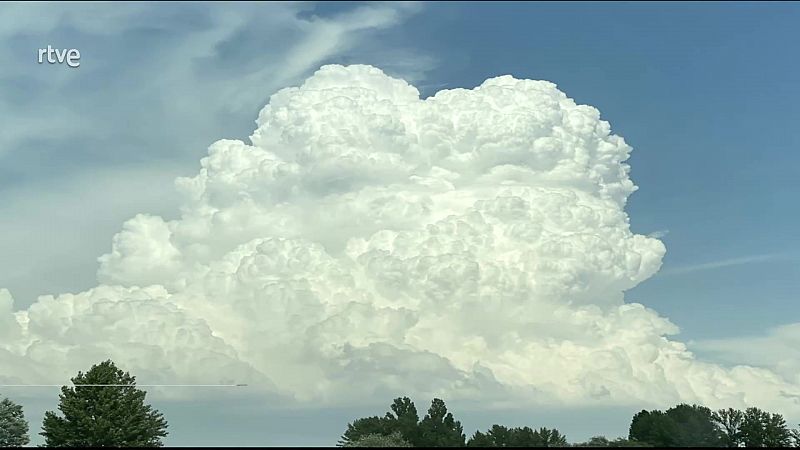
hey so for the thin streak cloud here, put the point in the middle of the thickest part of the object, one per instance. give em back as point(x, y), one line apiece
point(729, 262)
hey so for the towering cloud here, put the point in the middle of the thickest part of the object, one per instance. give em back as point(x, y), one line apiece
point(473, 244)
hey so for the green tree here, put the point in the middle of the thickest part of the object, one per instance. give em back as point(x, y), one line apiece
point(405, 420)
point(762, 429)
point(500, 436)
point(402, 419)
point(796, 437)
point(622, 442)
point(776, 433)
point(378, 440)
point(367, 426)
point(752, 428)
point(524, 437)
point(480, 440)
point(98, 415)
point(496, 436)
point(602, 441)
point(545, 437)
point(696, 426)
point(680, 426)
point(595, 441)
point(654, 428)
point(439, 429)
point(13, 426)
point(730, 423)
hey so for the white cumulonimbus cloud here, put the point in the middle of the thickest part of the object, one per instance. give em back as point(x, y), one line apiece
point(473, 244)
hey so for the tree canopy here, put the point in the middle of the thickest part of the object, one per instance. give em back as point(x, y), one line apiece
point(762, 429)
point(378, 440)
point(729, 422)
point(500, 436)
point(680, 426)
point(13, 426)
point(95, 414)
point(437, 429)
point(602, 441)
point(698, 426)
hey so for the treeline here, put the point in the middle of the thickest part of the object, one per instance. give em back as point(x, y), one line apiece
point(698, 426)
point(680, 426)
point(103, 408)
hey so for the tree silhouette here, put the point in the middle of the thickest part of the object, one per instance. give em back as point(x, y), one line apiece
point(602, 441)
point(377, 440)
point(439, 429)
point(13, 426)
point(500, 436)
point(98, 415)
point(680, 426)
point(404, 419)
point(762, 429)
point(730, 422)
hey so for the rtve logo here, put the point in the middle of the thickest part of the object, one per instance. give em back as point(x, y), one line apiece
point(72, 56)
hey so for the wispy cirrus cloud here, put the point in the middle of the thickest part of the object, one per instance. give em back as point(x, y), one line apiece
point(722, 263)
point(157, 84)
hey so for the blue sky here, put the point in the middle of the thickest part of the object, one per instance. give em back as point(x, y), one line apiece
point(706, 93)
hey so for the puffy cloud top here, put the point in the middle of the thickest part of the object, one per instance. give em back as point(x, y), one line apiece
point(472, 244)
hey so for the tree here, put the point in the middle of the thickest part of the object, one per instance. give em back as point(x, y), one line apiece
point(405, 420)
point(549, 438)
point(439, 429)
point(378, 440)
point(496, 436)
point(13, 426)
point(680, 426)
point(762, 429)
point(602, 441)
point(696, 426)
point(367, 426)
point(730, 423)
point(654, 428)
point(480, 440)
point(595, 441)
point(777, 434)
point(752, 428)
point(622, 442)
point(500, 436)
point(98, 415)
point(524, 437)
